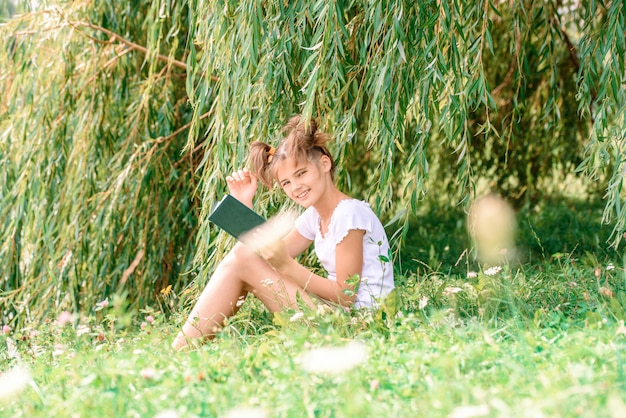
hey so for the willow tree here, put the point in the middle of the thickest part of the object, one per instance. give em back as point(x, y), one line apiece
point(120, 120)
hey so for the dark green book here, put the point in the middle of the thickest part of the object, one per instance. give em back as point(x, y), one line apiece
point(234, 217)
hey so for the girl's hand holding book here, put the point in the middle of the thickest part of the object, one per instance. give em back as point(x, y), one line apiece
point(267, 239)
point(276, 254)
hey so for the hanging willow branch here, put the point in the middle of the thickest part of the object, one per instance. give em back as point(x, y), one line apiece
point(113, 37)
point(180, 130)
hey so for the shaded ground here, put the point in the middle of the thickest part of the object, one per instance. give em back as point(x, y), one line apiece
point(438, 237)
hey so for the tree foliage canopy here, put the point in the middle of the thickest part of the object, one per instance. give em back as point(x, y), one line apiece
point(120, 120)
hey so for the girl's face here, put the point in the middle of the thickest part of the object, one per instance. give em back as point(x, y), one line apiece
point(304, 182)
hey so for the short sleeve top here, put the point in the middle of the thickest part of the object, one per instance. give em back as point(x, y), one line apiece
point(350, 214)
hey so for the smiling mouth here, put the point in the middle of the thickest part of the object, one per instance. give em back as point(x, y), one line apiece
point(302, 195)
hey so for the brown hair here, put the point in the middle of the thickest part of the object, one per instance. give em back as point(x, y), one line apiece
point(302, 141)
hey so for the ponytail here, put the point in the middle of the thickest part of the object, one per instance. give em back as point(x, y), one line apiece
point(260, 159)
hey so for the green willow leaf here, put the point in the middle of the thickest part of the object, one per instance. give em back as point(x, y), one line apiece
point(120, 122)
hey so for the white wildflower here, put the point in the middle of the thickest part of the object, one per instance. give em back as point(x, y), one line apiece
point(472, 274)
point(423, 302)
point(334, 360)
point(267, 282)
point(614, 404)
point(320, 310)
point(246, 412)
point(58, 350)
point(470, 411)
point(451, 290)
point(148, 373)
point(170, 413)
point(296, 316)
point(493, 270)
point(240, 301)
point(13, 382)
point(103, 303)
point(82, 330)
point(12, 349)
point(610, 267)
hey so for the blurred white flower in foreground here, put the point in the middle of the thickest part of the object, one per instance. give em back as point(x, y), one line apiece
point(170, 413)
point(269, 233)
point(614, 404)
point(491, 223)
point(246, 412)
point(493, 270)
point(13, 382)
point(148, 373)
point(334, 360)
point(470, 411)
point(296, 316)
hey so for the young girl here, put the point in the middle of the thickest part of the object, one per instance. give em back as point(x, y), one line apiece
point(349, 239)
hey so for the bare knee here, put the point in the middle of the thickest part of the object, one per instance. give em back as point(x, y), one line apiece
point(244, 262)
point(242, 254)
point(239, 256)
point(235, 262)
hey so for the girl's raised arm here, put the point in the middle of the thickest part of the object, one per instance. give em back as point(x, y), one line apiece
point(242, 185)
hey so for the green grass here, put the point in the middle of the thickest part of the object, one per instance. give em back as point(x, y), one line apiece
point(542, 337)
point(557, 226)
point(420, 365)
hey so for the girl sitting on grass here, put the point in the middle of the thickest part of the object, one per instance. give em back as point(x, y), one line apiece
point(349, 239)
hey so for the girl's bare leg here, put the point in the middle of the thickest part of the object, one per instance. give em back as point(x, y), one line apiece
point(240, 273)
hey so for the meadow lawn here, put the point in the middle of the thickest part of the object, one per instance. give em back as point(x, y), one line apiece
point(542, 337)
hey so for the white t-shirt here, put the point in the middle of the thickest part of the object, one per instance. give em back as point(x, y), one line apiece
point(350, 214)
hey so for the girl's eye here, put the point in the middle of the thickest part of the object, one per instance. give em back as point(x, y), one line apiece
point(301, 173)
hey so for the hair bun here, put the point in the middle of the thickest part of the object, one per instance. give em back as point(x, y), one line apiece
point(298, 126)
point(292, 125)
point(302, 141)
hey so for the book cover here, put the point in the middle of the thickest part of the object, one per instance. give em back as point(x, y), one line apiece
point(234, 217)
